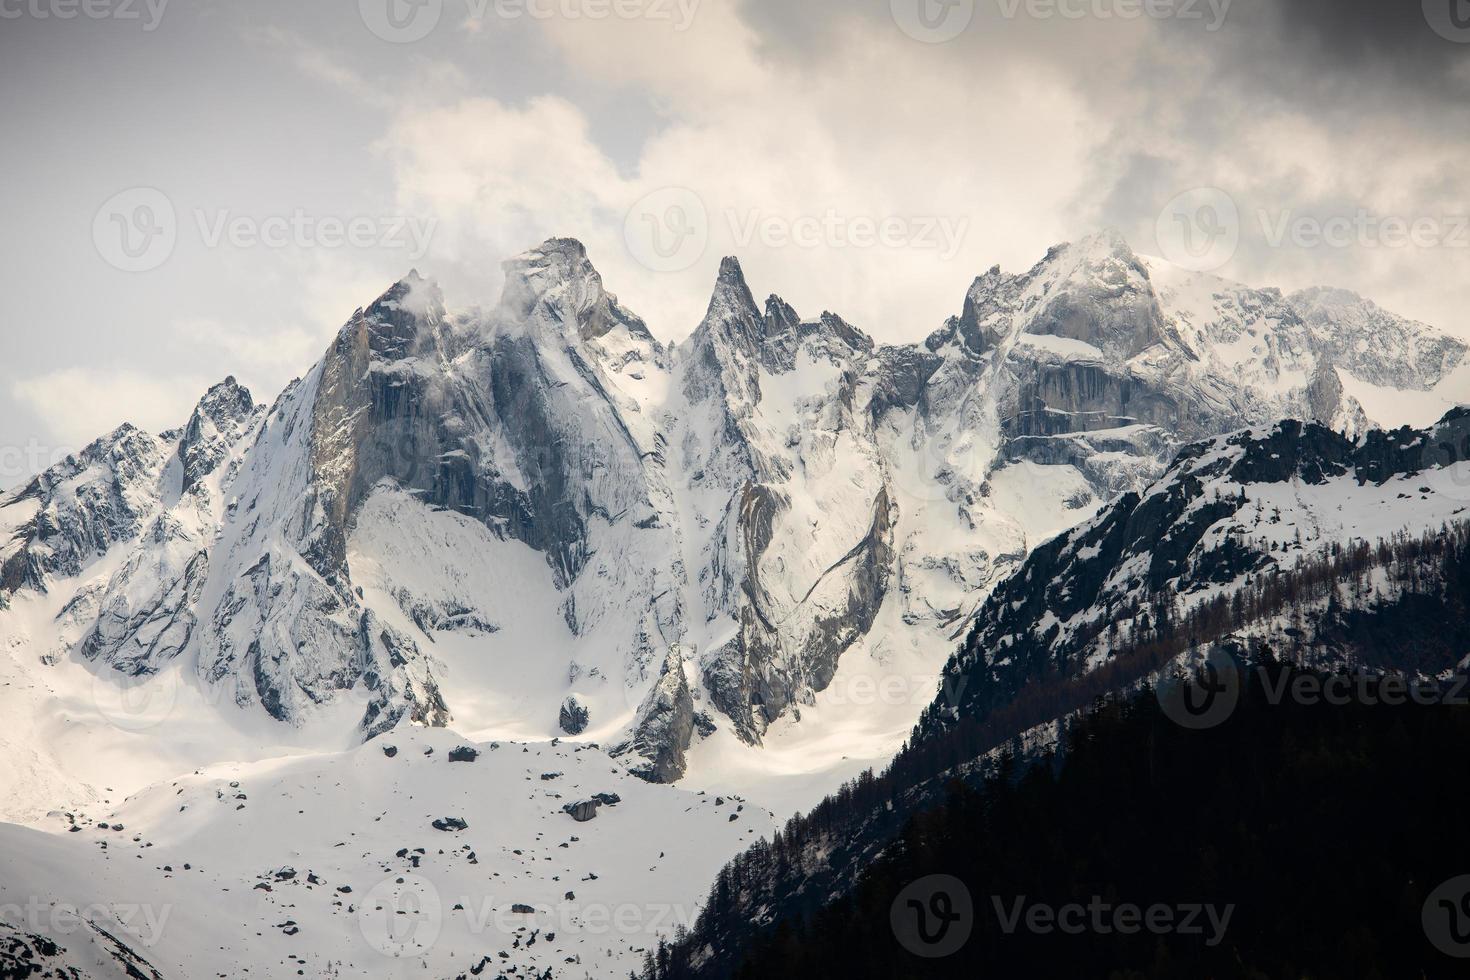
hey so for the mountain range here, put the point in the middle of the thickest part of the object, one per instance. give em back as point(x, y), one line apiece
point(538, 522)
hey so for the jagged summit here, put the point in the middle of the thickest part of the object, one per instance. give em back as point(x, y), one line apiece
point(558, 278)
point(731, 274)
point(735, 326)
point(404, 321)
point(213, 426)
point(732, 310)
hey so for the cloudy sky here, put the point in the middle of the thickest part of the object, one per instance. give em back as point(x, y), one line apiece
point(198, 188)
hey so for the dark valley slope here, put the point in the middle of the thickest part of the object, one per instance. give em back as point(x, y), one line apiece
point(1326, 552)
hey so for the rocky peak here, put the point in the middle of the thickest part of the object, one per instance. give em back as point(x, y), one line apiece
point(733, 276)
point(969, 329)
point(1374, 345)
point(216, 422)
point(781, 320)
point(1320, 300)
point(831, 325)
point(403, 322)
point(732, 314)
point(557, 277)
point(228, 399)
point(734, 328)
point(1097, 290)
point(82, 506)
point(727, 346)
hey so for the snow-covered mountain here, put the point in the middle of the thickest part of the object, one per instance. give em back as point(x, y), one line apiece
point(1203, 552)
point(501, 517)
point(695, 562)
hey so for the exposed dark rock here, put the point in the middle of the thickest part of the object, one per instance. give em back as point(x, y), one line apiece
point(664, 726)
point(574, 715)
point(582, 810)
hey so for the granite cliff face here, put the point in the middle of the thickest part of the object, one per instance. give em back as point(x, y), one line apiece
point(499, 513)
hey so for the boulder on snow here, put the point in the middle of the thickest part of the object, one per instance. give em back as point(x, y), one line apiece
point(450, 823)
point(574, 715)
point(582, 810)
point(463, 753)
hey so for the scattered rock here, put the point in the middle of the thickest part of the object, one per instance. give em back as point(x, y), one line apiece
point(450, 823)
point(582, 810)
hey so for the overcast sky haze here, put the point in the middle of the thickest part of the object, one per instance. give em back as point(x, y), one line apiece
point(864, 156)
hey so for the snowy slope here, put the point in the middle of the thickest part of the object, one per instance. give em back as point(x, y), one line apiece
point(332, 864)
